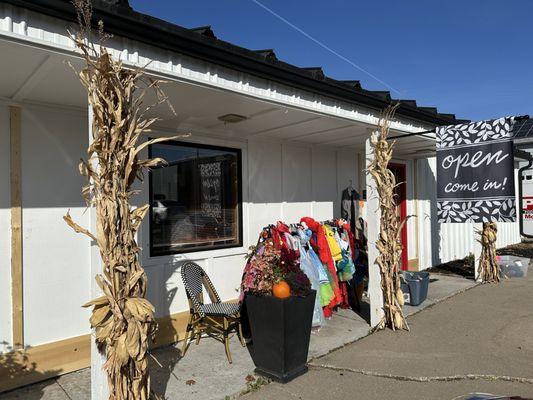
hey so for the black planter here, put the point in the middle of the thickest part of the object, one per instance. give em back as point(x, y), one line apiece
point(280, 331)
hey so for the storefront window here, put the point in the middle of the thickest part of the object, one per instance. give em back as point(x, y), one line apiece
point(195, 199)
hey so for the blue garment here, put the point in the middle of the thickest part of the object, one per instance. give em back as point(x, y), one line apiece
point(306, 265)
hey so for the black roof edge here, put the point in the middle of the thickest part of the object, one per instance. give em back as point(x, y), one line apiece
point(382, 94)
point(205, 31)
point(120, 19)
point(316, 72)
point(410, 102)
point(268, 54)
point(353, 83)
point(432, 110)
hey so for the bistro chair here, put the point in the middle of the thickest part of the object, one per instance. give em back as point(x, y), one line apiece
point(216, 319)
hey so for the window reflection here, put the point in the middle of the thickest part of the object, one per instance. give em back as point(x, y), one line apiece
point(195, 198)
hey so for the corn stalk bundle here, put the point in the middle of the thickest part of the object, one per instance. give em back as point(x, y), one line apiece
point(488, 267)
point(123, 318)
point(389, 242)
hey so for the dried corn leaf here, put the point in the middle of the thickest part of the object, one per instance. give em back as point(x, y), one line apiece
point(77, 228)
point(99, 315)
point(99, 301)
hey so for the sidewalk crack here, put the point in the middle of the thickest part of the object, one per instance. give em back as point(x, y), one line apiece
point(450, 378)
point(63, 389)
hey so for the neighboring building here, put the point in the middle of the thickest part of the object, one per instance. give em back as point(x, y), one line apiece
point(299, 145)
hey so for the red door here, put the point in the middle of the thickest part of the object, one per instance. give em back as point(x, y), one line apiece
point(399, 171)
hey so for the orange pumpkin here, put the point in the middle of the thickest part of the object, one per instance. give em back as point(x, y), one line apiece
point(281, 290)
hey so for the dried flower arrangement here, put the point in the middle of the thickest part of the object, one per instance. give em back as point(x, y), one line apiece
point(123, 318)
point(488, 266)
point(389, 242)
point(269, 264)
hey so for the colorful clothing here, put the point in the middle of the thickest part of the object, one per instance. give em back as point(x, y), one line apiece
point(320, 242)
point(334, 247)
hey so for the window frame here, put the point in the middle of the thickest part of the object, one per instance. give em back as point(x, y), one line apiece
point(197, 249)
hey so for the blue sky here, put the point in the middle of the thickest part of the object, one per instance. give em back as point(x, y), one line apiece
point(468, 57)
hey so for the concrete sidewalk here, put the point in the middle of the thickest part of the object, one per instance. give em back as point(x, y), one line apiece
point(204, 373)
point(478, 341)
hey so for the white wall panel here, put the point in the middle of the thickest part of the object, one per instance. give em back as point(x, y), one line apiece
point(265, 185)
point(412, 249)
point(324, 167)
point(296, 177)
point(227, 272)
point(5, 232)
point(426, 194)
point(55, 259)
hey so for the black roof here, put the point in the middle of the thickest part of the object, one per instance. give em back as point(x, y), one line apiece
point(120, 19)
point(523, 128)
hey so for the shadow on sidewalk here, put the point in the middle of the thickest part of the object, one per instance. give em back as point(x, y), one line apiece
point(16, 369)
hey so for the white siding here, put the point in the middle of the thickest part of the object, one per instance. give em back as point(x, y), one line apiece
point(427, 225)
point(5, 233)
point(55, 259)
point(280, 181)
point(324, 167)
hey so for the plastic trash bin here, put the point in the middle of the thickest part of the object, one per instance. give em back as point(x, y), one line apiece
point(406, 293)
point(512, 267)
point(418, 283)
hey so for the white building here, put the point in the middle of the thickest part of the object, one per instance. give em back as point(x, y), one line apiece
point(302, 142)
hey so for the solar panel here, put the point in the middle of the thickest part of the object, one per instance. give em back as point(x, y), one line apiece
point(523, 128)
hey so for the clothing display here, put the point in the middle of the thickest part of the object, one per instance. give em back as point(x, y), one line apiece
point(350, 206)
point(328, 256)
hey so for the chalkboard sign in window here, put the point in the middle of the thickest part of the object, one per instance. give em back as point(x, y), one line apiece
point(195, 198)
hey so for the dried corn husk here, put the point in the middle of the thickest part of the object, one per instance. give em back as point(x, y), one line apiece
point(389, 242)
point(399, 297)
point(122, 318)
point(488, 267)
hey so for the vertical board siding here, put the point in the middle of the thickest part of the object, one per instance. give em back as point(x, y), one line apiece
point(56, 260)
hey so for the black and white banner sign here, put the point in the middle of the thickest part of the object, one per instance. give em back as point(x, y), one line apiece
point(475, 172)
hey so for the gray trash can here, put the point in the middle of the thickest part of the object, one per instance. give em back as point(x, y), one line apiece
point(417, 283)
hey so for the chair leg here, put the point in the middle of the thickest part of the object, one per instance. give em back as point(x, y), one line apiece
point(226, 340)
point(239, 334)
point(198, 336)
point(186, 339)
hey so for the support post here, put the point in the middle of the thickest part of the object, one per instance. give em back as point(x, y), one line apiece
point(477, 250)
point(16, 228)
point(99, 385)
point(373, 215)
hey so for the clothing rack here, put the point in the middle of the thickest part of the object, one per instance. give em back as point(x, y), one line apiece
point(518, 118)
point(330, 222)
